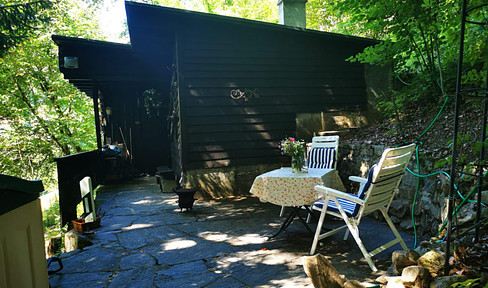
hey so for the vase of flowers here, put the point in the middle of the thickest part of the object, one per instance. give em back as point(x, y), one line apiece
point(296, 150)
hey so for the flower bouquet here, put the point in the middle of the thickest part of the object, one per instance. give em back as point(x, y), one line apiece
point(296, 150)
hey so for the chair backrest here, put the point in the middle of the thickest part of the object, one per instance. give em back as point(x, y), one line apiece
point(323, 152)
point(386, 177)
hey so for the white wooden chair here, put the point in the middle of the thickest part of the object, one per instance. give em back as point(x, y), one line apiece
point(322, 154)
point(376, 193)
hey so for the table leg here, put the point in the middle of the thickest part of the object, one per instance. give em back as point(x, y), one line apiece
point(295, 212)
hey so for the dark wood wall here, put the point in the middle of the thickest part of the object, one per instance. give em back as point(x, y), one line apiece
point(284, 73)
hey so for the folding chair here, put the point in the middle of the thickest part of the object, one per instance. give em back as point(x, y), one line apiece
point(322, 154)
point(376, 193)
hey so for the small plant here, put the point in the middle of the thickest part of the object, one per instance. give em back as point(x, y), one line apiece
point(50, 216)
point(296, 149)
point(469, 283)
point(292, 147)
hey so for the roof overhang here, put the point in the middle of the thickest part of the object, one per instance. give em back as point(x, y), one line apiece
point(91, 63)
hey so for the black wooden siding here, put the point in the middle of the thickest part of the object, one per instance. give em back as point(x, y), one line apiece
point(289, 75)
point(291, 70)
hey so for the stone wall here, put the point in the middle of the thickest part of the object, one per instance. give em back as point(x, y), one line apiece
point(431, 201)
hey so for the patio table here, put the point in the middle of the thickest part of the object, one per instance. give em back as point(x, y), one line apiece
point(284, 188)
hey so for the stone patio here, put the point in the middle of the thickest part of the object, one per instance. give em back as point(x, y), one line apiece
point(145, 241)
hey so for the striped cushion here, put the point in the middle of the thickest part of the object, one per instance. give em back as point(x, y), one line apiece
point(322, 158)
point(348, 206)
point(368, 181)
point(351, 208)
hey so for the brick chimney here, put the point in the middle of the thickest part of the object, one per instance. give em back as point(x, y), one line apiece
point(292, 13)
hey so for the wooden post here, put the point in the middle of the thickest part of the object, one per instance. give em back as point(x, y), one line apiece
point(97, 116)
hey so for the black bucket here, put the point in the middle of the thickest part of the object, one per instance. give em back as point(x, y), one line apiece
point(185, 197)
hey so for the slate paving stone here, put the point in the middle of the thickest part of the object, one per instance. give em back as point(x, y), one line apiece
point(90, 279)
point(93, 260)
point(145, 241)
point(185, 270)
point(186, 249)
point(135, 278)
point(257, 267)
point(136, 260)
point(165, 218)
point(226, 282)
point(112, 223)
point(201, 280)
point(103, 237)
point(139, 237)
point(238, 232)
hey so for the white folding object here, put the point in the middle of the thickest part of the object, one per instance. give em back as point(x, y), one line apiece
point(376, 193)
point(88, 201)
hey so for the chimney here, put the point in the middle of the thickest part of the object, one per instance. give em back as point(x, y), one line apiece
point(292, 13)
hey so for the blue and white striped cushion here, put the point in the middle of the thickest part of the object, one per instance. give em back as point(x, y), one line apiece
point(351, 208)
point(322, 158)
point(348, 206)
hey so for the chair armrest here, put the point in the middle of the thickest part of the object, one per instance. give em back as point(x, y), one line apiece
point(358, 179)
point(326, 191)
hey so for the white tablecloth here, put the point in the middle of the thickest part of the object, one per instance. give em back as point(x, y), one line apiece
point(285, 188)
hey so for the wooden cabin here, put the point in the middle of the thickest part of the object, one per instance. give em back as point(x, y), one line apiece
point(212, 96)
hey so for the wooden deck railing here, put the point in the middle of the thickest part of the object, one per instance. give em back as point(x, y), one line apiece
point(71, 169)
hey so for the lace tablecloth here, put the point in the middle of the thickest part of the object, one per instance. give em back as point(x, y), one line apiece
point(285, 188)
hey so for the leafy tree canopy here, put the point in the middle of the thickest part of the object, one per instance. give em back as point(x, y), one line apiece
point(420, 41)
point(19, 20)
point(42, 116)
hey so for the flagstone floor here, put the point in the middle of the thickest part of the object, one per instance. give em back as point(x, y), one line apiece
point(145, 241)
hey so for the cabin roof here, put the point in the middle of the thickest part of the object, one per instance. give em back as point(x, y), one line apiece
point(101, 63)
point(174, 17)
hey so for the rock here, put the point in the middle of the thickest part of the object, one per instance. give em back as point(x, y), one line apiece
point(467, 213)
point(423, 247)
point(406, 224)
point(320, 271)
point(416, 277)
point(353, 284)
point(398, 208)
point(395, 282)
point(446, 281)
point(432, 260)
point(383, 279)
point(403, 258)
point(54, 246)
point(73, 241)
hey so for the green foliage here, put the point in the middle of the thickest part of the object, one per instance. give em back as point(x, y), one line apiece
point(262, 10)
point(468, 283)
point(420, 41)
point(42, 116)
point(50, 216)
point(18, 20)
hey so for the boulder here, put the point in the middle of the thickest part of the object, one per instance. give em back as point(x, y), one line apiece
point(74, 240)
point(398, 208)
point(432, 260)
point(447, 281)
point(383, 279)
point(321, 273)
point(353, 284)
point(403, 258)
point(395, 282)
point(416, 277)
